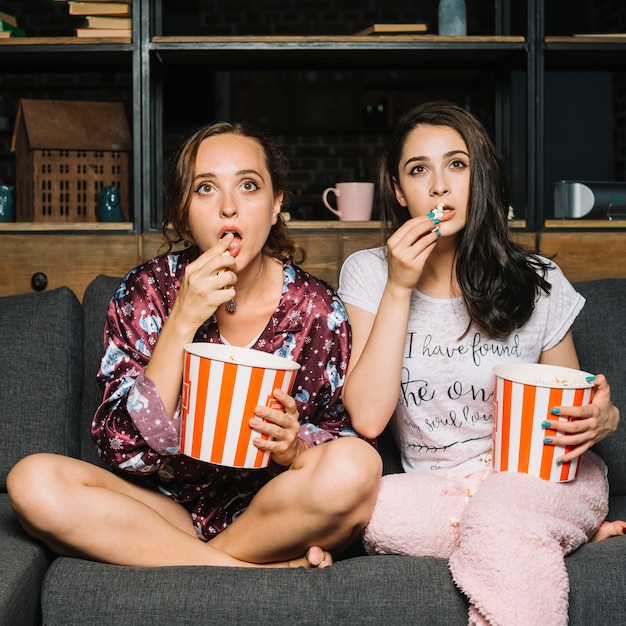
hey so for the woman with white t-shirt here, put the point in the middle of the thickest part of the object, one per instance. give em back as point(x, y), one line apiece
point(450, 296)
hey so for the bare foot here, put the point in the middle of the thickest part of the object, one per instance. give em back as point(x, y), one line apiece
point(610, 529)
point(318, 557)
point(315, 558)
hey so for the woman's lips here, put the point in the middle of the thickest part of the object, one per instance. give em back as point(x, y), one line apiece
point(440, 213)
point(235, 245)
point(448, 212)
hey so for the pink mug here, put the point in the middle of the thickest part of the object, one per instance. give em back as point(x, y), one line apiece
point(354, 201)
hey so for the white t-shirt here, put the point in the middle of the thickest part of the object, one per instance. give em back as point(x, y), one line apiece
point(443, 419)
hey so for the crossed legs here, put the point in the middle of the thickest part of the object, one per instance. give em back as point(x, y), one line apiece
point(319, 505)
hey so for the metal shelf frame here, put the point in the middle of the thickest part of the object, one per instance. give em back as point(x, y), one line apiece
point(148, 55)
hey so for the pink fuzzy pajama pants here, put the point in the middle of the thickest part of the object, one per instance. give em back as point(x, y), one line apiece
point(505, 537)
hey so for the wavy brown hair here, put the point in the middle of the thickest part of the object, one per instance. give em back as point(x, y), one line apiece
point(499, 281)
point(178, 188)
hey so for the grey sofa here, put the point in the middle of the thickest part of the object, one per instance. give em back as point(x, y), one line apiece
point(50, 346)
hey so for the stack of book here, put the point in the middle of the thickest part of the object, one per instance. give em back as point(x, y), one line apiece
point(103, 18)
point(8, 26)
point(394, 29)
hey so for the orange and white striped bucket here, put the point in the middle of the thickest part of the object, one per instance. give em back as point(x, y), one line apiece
point(221, 387)
point(524, 393)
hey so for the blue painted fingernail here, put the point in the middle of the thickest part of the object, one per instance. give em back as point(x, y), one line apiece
point(555, 410)
point(546, 424)
point(559, 461)
point(435, 222)
point(547, 440)
point(437, 232)
point(431, 214)
point(590, 379)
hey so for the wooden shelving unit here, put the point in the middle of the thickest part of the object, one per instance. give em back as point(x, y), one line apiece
point(145, 59)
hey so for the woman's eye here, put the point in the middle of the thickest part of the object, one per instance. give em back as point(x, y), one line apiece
point(249, 185)
point(458, 164)
point(204, 189)
point(418, 169)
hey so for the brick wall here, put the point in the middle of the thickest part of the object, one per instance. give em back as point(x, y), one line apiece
point(328, 120)
point(332, 124)
point(41, 18)
point(306, 17)
point(610, 16)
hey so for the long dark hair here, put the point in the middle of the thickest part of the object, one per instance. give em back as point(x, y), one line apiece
point(499, 281)
point(178, 187)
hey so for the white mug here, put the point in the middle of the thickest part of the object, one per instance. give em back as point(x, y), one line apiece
point(354, 201)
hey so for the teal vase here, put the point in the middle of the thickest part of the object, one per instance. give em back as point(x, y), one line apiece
point(7, 211)
point(109, 208)
point(452, 18)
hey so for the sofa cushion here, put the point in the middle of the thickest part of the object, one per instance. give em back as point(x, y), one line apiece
point(365, 590)
point(597, 579)
point(601, 345)
point(24, 564)
point(95, 303)
point(41, 375)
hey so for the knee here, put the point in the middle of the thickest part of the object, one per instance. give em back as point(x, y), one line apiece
point(351, 471)
point(22, 479)
point(32, 486)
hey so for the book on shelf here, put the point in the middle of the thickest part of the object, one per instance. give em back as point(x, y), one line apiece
point(605, 35)
point(108, 21)
point(9, 19)
point(393, 29)
point(8, 26)
point(6, 30)
point(104, 32)
point(99, 8)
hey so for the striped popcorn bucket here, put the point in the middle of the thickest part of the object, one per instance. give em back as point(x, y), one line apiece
point(221, 387)
point(523, 396)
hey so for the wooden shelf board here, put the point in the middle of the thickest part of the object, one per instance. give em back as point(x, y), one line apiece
point(428, 38)
point(178, 39)
point(586, 224)
point(57, 41)
point(517, 223)
point(59, 226)
point(331, 225)
point(590, 38)
point(128, 226)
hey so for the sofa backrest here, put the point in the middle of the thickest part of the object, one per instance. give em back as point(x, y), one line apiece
point(41, 375)
point(95, 303)
point(600, 341)
point(599, 338)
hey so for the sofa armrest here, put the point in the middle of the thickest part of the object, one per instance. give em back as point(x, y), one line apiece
point(95, 304)
point(41, 375)
point(600, 342)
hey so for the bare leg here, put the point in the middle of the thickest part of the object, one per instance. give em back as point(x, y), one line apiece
point(325, 499)
point(78, 509)
point(610, 529)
